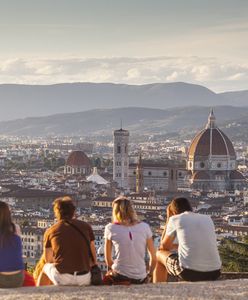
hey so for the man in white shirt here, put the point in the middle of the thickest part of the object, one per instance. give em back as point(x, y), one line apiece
point(197, 258)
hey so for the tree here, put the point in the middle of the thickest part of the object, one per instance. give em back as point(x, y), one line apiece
point(234, 256)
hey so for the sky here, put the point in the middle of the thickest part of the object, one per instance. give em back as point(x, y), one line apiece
point(132, 41)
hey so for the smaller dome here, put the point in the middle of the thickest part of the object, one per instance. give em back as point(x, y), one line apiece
point(200, 175)
point(236, 175)
point(78, 159)
point(96, 178)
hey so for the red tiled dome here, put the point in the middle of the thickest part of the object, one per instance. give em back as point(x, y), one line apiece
point(211, 141)
point(78, 159)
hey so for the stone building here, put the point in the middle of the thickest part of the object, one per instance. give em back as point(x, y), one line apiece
point(211, 160)
point(77, 163)
point(24, 198)
point(157, 175)
point(32, 244)
point(121, 159)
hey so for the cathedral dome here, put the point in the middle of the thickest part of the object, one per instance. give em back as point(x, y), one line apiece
point(211, 141)
point(78, 159)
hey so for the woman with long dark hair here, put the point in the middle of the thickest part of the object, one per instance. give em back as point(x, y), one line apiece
point(11, 263)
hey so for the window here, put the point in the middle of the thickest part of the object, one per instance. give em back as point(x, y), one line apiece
point(126, 148)
point(165, 174)
point(149, 173)
point(202, 165)
point(218, 165)
point(118, 149)
point(134, 172)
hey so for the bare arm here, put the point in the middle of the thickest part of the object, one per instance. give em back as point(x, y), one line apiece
point(167, 243)
point(93, 251)
point(108, 253)
point(48, 254)
point(152, 255)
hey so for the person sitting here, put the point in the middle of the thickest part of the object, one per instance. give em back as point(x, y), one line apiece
point(130, 239)
point(170, 211)
point(198, 257)
point(66, 247)
point(11, 263)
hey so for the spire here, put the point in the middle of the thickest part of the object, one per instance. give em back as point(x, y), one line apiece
point(121, 124)
point(211, 119)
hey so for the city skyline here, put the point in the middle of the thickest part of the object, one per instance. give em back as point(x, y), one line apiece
point(136, 42)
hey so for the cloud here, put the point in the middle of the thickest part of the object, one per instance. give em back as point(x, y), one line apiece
point(133, 73)
point(211, 72)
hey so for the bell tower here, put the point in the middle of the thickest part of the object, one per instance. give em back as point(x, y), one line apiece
point(121, 159)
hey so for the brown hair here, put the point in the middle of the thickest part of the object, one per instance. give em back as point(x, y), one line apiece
point(7, 227)
point(176, 207)
point(180, 205)
point(64, 208)
point(123, 211)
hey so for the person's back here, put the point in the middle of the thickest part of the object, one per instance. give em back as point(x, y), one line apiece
point(11, 263)
point(70, 250)
point(69, 247)
point(130, 239)
point(11, 255)
point(130, 246)
point(197, 241)
point(198, 257)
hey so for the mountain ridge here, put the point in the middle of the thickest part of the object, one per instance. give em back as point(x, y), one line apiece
point(43, 100)
point(141, 121)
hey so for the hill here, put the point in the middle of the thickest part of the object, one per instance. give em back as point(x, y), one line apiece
point(141, 121)
point(21, 101)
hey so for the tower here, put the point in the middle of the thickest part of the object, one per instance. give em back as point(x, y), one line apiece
point(139, 176)
point(121, 160)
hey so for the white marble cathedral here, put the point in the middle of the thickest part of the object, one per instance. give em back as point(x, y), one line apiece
point(212, 162)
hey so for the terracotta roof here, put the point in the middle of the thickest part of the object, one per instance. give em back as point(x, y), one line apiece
point(200, 175)
point(29, 193)
point(236, 175)
point(78, 158)
point(211, 141)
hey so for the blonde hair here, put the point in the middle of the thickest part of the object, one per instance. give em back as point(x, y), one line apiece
point(123, 211)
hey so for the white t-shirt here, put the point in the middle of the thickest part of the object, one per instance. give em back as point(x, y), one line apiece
point(197, 249)
point(130, 247)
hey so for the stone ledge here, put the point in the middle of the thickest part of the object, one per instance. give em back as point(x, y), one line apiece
point(222, 289)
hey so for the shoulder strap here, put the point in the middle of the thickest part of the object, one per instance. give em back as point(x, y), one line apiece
point(83, 235)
